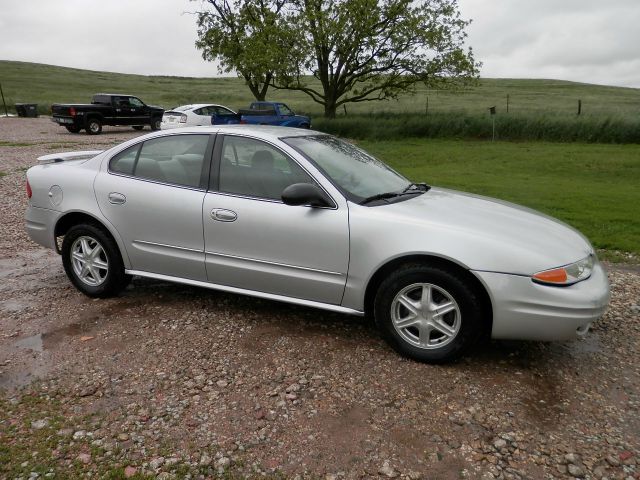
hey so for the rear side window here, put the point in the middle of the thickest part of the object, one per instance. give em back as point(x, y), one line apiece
point(125, 161)
point(177, 159)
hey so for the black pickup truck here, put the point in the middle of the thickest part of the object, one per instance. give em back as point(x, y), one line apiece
point(106, 109)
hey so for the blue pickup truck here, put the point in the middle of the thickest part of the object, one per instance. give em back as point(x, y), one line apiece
point(264, 113)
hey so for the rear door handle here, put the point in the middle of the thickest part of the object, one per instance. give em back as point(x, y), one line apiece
point(223, 215)
point(117, 198)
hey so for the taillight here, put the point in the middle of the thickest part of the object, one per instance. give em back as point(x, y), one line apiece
point(29, 192)
point(183, 118)
point(72, 111)
point(243, 122)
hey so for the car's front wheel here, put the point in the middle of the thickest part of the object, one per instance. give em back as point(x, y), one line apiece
point(427, 313)
point(92, 261)
point(156, 123)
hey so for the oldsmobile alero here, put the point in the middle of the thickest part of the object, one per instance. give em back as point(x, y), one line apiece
point(303, 217)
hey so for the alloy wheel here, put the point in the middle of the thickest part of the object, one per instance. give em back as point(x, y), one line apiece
point(425, 315)
point(89, 261)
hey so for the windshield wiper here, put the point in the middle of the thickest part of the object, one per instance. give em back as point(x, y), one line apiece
point(424, 186)
point(381, 196)
point(420, 188)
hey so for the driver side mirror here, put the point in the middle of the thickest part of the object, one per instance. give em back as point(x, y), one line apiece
point(306, 194)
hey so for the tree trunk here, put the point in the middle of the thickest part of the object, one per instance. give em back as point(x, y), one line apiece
point(259, 90)
point(330, 110)
point(259, 93)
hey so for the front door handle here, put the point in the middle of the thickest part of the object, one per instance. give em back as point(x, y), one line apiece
point(223, 215)
point(117, 198)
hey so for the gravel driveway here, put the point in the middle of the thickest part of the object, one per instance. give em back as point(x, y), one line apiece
point(170, 381)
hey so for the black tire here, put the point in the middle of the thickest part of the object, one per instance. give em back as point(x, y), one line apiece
point(156, 123)
point(115, 278)
point(468, 316)
point(73, 128)
point(305, 125)
point(94, 126)
point(138, 127)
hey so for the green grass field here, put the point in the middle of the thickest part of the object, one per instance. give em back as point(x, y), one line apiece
point(594, 188)
point(46, 84)
point(538, 110)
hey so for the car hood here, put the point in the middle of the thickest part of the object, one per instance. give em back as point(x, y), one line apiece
point(491, 234)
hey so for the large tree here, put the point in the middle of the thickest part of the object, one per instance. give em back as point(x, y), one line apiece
point(252, 38)
point(364, 50)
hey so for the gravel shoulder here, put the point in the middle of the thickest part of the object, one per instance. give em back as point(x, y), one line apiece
point(169, 381)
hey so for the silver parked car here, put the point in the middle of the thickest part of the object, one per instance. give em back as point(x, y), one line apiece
point(307, 218)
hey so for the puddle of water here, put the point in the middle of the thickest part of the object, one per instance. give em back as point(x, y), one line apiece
point(34, 342)
point(48, 340)
point(589, 344)
point(13, 306)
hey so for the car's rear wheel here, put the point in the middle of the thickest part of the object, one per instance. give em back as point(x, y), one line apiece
point(428, 314)
point(92, 261)
point(156, 123)
point(73, 128)
point(138, 127)
point(94, 126)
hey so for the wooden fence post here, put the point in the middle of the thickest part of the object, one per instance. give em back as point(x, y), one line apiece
point(6, 114)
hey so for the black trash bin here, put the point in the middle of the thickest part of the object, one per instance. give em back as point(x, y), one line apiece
point(27, 110)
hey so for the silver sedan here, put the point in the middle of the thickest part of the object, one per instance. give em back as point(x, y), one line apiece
point(306, 218)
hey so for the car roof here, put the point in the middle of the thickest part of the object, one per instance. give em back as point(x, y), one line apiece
point(193, 106)
point(267, 132)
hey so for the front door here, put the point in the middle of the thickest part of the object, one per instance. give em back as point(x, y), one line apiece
point(256, 242)
point(152, 193)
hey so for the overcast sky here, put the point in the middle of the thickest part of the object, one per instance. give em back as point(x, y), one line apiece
point(591, 41)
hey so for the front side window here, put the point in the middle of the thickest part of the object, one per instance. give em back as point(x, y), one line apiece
point(256, 169)
point(284, 110)
point(135, 102)
point(178, 159)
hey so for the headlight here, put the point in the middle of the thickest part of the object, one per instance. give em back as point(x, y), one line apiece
point(567, 275)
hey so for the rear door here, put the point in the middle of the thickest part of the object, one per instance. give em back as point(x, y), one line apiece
point(202, 116)
point(121, 110)
point(256, 242)
point(152, 193)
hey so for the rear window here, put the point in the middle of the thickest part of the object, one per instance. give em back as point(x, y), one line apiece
point(101, 99)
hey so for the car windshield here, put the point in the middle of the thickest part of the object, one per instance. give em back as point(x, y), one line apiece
point(357, 173)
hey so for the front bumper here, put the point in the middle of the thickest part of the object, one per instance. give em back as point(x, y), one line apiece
point(524, 310)
point(40, 224)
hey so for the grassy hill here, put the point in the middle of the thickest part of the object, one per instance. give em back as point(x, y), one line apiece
point(46, 84)
point(538, 109)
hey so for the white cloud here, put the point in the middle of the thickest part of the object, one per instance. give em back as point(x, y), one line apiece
point(581, 40)
point(142, 36)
